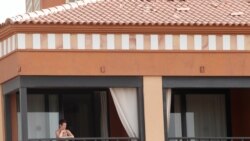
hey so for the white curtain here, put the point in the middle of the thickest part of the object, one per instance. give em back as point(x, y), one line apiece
point(173, 119)
point(125, 100)
point(206, 115)
point(168, 102)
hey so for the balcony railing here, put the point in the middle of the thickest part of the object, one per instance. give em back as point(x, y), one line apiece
point(88, 139)
point(209, 139)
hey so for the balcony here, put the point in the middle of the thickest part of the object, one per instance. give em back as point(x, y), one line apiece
point(210, 139)
point(90, 139)
point(95, 108)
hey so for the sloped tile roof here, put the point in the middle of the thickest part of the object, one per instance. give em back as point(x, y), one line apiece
point(143, 12)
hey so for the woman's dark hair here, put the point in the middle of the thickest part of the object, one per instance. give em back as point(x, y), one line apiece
point(62, 121)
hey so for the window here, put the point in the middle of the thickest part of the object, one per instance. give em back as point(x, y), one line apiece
point(43, 115)
point(198, 113)
point(82, 110)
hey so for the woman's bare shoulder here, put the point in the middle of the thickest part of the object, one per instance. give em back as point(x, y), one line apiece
point(68, 130)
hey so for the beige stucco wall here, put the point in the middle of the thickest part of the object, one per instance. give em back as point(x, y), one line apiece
point(153, 107)
point(2, 131)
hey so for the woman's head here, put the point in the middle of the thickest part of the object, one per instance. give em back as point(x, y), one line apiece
point(63, 124)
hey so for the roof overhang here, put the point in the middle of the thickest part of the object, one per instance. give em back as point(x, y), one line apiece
point(10, 29)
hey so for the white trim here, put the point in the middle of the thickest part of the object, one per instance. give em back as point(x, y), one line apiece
point(212, 42)
point(125, 41)
point(226, 42)
point(18, 41)
point(81, 41)
point(197, 42)
point(9, 45)
point(169, 42)
point(183, 42)
point(36, 41)
point(66, 41)
point(139, 41)
point(154, 43)
point(96, 41)
point(4, 47)
point(21, 41)
point(1, 49)
point(13, 42)
point(110, 41)
point(51, 41)
point(240, 42)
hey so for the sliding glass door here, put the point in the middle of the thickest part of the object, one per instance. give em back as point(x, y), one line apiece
point(85, 112)
point(198, 114)
point(43, 115)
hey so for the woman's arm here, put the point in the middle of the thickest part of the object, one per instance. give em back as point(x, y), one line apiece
point(70, 134)
point(59, 133)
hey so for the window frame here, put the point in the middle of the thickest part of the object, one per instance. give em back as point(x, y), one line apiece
point(183, 92)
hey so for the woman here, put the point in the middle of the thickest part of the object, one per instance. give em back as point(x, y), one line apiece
point(62, 132)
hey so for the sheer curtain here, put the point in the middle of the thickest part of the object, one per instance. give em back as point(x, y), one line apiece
point(206, 115)
point(168, 102)
point(125, 100)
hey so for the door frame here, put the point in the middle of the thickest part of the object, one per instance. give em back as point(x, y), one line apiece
point(203, 82)
point(184, 92)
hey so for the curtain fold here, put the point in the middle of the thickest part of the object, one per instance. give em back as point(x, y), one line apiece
point(168, 102)
point(207, 115)
point(125, 100)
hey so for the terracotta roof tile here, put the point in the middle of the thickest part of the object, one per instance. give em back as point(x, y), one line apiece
point(142, 12)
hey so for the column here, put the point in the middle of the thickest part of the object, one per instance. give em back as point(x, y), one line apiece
point(153, 108)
